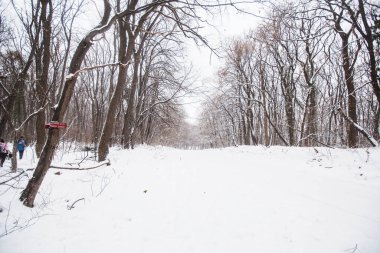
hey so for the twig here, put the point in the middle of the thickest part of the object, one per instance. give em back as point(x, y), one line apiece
point(72, 205)
point(323, 144)
point(353, 249)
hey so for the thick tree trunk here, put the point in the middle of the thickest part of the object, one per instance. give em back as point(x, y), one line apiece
point(14, 152)
point(130, 115)
point(312, 114)
point(264, 105)
point(352, 133)
point(30, 192)
point(289, 112)
point(125, 55)
point(376, 130)
point(20, 106)
point(311, 105)
point(42, 83)
point(40, 132)
point(148, 133)
point(111, 114)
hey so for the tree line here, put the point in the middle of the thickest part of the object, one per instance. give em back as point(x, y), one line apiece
point(307, 76)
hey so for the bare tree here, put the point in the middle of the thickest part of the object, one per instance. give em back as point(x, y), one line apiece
point(30, 192)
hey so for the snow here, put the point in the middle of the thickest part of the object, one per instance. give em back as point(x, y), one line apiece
point(159, 199)
point(70, 76)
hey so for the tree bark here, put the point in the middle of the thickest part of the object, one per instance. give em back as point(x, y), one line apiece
point(264, 104)
point(42, 82)
point(352, 133)
point(130, 115)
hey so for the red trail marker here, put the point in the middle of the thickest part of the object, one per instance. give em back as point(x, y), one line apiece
point(56, 125)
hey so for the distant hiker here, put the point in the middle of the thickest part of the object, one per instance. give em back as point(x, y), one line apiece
point(21, 146)
point(3, 151)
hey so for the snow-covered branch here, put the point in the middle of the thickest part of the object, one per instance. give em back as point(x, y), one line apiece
point(75, 75)
point(359, 128)
point(30, 117)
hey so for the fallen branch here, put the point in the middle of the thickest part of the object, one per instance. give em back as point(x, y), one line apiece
point(323, 144)
point(353, 249)
point(6, 181)
point(108, 163)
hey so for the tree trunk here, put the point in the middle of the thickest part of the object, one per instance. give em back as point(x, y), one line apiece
point(264, 105)
point(352, 134)
point(42, 83)
point(376, 130)
point(289, 112)
point(125, 55)
point(130, 115)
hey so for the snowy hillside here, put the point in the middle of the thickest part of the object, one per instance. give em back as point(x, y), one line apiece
point(162, 200)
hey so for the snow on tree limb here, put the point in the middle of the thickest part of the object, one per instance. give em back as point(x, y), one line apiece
point(30, 117)
point(75, 75)
point(359, 128)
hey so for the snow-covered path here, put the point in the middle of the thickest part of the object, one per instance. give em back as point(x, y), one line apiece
point(246, 199)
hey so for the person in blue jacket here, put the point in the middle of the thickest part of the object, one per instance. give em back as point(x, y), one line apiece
point(21, 146)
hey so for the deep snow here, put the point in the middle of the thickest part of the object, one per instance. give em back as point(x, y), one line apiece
point(157, 199)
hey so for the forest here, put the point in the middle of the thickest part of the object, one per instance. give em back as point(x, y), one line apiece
point(114, 71)
point(309, 76)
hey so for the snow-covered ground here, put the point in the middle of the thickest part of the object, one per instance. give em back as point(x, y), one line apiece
point(163, 200)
